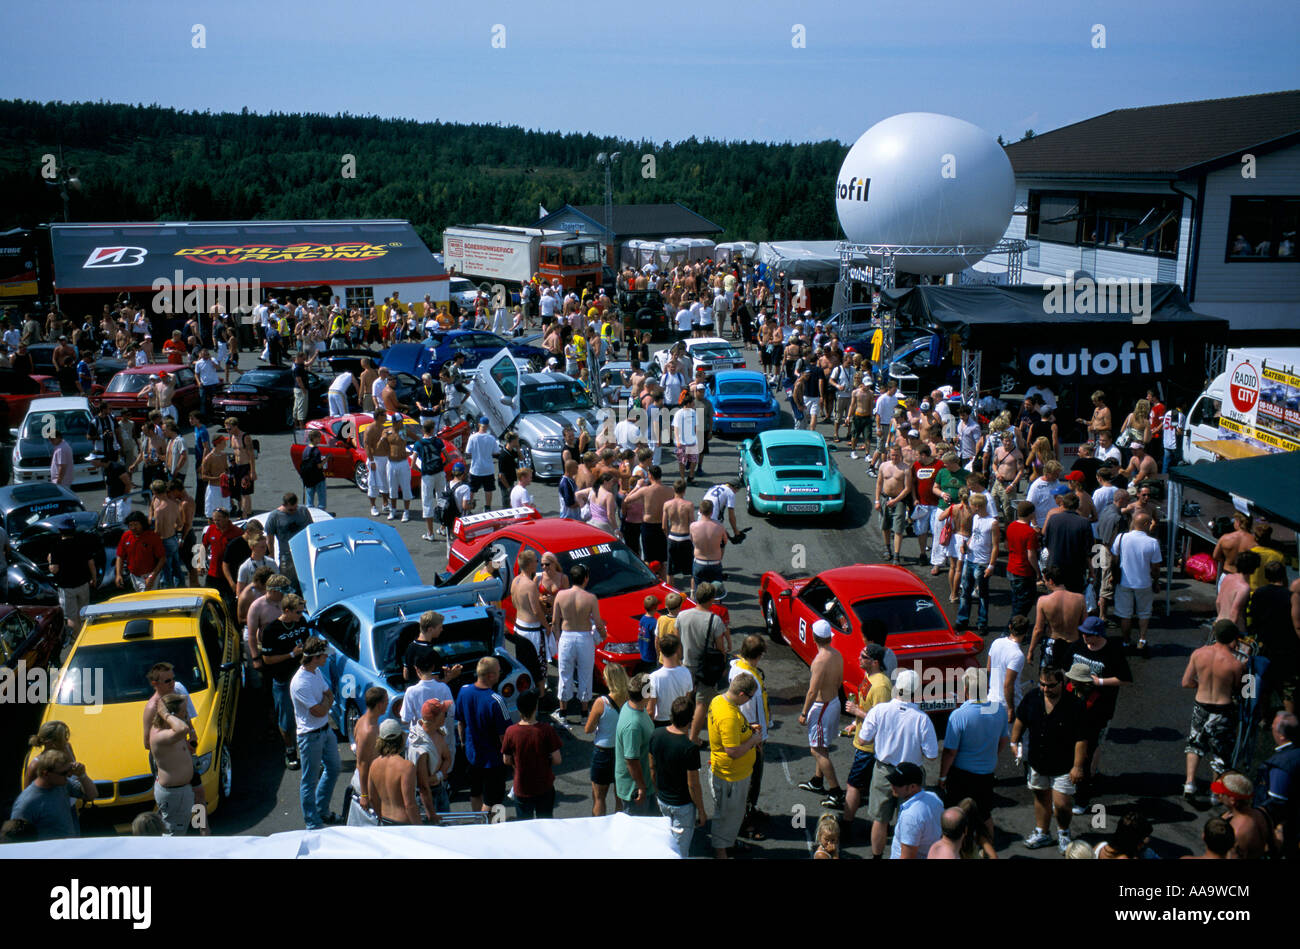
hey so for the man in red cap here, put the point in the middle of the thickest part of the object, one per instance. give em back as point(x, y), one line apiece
point(1079, 485)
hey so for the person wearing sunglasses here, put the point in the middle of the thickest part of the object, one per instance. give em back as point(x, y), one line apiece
point(47, 803)
point(1058, 751)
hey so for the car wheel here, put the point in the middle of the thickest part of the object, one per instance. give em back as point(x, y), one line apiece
point(361, 476)
point(525, 457)
point(770, 620)
point(740, 467)
point(350, 719)
point(749, 503)
point(288, 416)
point(225, 773)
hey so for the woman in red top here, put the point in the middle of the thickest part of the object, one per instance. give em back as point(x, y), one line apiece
point(219, 533)
point(1022, 560)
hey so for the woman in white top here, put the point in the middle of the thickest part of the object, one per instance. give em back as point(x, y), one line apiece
point(604, 503)
point(981, 555)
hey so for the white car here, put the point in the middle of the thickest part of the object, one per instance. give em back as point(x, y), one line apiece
point(72, 417)
point(317, 515)
point(464, 292)
point(710, 353)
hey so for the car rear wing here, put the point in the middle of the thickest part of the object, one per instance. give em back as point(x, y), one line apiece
point(408, 602)
point(474, 526)
point(141, 608)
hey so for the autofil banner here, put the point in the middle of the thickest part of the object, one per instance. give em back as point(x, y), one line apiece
point(1262, 406)
point(1142, 357)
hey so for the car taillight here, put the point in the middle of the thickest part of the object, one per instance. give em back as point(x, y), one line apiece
point(507, 690)
point(769, 497)
point(525, 683)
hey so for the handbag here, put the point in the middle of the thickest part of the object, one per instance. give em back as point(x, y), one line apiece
point(945, 532)
point(714, 662)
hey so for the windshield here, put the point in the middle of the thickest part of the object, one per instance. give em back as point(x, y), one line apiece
point(24, 517)
point(130, 382)
point(780, 455)
point(461, 285)
point(742, 387)
point(261, 378)
point(125, 670)
point(613, 569)
point(73, 424)
point(715, 351)
point(901, 614)
point(559, 396)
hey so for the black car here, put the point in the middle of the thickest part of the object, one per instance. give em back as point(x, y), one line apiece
point(21, 507)
point(645, 312)
point(264, 396)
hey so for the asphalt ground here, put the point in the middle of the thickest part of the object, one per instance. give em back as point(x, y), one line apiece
point(1142, 758)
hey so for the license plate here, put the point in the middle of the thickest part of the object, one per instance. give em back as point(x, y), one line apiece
point(801, 509)
point(236, 408)
point(936, 706)
point(742, 426)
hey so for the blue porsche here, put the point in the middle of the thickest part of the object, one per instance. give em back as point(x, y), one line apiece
point(790, 472)
point(437, 348)
point(742, 403)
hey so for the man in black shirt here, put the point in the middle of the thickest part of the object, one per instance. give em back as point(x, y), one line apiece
point(424, 642)
point(236, 552)
point(675, 773)
point(1087, 463)
point(280, 643)
point(508, 467)
point(1268, 616)
point(73, 570)
point(428, 399)
point(1058, 749)
point(1068, 539)
point(1107, 668)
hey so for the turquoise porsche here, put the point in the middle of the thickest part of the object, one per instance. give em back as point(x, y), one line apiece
point(790, 472)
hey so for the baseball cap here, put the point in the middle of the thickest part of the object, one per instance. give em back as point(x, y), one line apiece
point(913, 433)
point(925, 405)
point(907, 773)
point(483, 420)
point(458, 468)
point(1093, 626)
point(391, 727)
point(1233, 785)
point(821, 629)
point(431, 707)
point(1060, 488)
point(1074, 476)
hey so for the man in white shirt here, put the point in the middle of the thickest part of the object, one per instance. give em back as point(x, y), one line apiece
point(377, 387)
point(628, 432)
point(1173, 425)
point(686, 439)
point(723, 496)
point(481, 450)
point(1107, 451)
point(1139, 563)
point(338, 393)
point(683, 323)
point(520, 496)
point(547, 305)
point(669, 681)
point(318, 751)
point(1042, 493)
point(1006, 665)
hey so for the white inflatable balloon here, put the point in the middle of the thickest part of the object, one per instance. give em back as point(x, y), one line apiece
point(924, 178)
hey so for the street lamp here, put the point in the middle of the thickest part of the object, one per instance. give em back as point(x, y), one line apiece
point(67, 179)
point(608, 161)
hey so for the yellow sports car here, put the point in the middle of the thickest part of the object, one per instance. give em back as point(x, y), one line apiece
point(103, 688)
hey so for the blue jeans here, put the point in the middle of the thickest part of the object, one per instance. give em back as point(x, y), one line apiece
point(174, 573)
point(531, 808)
point(319, 753)
point(972, 578)
point(1024, 593)
point(315, 495)
point(682, 820)
point(283, 706)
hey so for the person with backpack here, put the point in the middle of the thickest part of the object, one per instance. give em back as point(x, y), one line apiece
point(311, 469)
point(428, 454)
point(456, 500)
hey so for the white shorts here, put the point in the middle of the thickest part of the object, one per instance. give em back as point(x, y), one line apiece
point(399, 480)
point(213, 501)
point(823, 724)
point(1060, 783)
point(378, 478)
point(429, 491)
point(1129, 601)
point(338, 403)
point(812, 406)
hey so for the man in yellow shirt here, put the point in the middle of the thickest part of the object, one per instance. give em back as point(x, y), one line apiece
point(755, 710)
point(875, 688)
point(732, 741)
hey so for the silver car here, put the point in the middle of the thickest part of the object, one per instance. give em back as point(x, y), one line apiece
point(537, 406)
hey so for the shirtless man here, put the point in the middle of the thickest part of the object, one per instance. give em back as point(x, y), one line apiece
point(264, 610)
point(242, 466)
point(893, 488)
point(821, 712)
point(365, 736)
point(1250, 826)
point(1234, 591)
point(1100, 421)
point(164, 390)
point(390, 779)
point(653, 496)
point(676, 521)
point(181, 498)
point(708, 538)
point(214, 464)
point(166, 517)
point(376, 463)
point(1231, 545)
point(1141, 466)
point(366, 383)
point(1215, 672)
point(253, 592)
point(1059, 614)
point(391, 405)
point(392, 444)
point(579, 613)
point(952, 824)
point(530, 621)
point(168, 742)
point(1008, 469)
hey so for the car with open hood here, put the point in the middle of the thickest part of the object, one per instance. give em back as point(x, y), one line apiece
point(73, 419)
point(364, 596)
point(790, 472)
point(22, 506)
point(538, 406)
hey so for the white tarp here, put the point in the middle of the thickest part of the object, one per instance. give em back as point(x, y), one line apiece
point(816, 263)
point(603, 838)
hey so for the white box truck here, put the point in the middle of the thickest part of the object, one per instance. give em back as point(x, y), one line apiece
point(1255, 401)
point(493, 253)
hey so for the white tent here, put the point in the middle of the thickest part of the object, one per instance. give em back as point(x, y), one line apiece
point(741, 251)
point(816, 263)
point(603, 838)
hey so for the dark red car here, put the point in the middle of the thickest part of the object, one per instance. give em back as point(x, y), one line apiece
point(32, 636)
point(341, 446)
point(18, 391)
point(127, 395)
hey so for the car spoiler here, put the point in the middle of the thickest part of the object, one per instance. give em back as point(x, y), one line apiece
point(476, 525)
point(401, 603)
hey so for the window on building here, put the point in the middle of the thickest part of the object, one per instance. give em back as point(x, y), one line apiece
point(358, 297)
point(1136, 223)
point(1262, 228)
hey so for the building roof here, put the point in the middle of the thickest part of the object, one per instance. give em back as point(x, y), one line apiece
point(643, 220)
point(1163, 140)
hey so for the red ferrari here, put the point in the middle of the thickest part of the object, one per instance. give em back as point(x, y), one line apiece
point(341, 441)
point(618, 578)
point(851, 597)
point(18, 391)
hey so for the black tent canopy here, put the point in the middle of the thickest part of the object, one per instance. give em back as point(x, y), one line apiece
point(1268, 483)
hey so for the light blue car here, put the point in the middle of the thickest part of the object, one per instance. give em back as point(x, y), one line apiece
point(790, 472)
point(364, 596)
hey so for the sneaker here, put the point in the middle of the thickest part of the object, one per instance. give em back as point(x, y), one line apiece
point(406, 517)
point(428, 537)
point(834, 799)
point(392, 515)
point(1079, 809)
point(374, 511)
point(1063, 842)
point(853, 455)
point(1037, 840)
point(291, 761)
point(816, 785)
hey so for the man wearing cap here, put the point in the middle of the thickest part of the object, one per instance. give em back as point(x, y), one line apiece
point(919, 814)
point(902, 734)
point(482, 449)
point(1098, 668)
point(317, 748)
point(390, 779)
point(72, 568)
point(1058, 749)
point(821, 714)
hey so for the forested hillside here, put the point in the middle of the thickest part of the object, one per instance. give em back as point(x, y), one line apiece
point(143, 163)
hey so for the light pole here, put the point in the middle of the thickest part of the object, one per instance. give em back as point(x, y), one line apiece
point(67, 179)
point(608, 161)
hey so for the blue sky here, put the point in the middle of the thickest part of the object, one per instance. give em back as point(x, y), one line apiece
point(662, 70)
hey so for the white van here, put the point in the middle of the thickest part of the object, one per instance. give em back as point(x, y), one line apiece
point(1203, 419)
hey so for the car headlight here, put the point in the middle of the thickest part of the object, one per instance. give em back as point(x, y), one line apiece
point(622, 649)
point(550, 443)
point(203, 762)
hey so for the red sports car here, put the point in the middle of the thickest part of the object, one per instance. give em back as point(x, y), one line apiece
point(853, 596)
point(18, 391)
point(126, 393)
point(618, 578)
point(341, 446)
